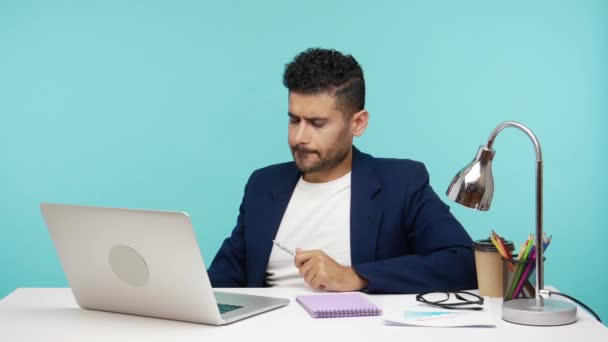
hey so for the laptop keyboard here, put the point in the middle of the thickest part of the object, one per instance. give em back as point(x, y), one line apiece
point(227, 307)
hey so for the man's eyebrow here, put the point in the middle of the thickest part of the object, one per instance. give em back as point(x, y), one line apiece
point(291, 115)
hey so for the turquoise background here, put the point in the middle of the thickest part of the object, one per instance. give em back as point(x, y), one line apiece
point(171, 105)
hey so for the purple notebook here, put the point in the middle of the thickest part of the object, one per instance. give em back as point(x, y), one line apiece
point(338, 305)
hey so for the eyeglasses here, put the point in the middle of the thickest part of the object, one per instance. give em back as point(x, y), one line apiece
point(463, 301)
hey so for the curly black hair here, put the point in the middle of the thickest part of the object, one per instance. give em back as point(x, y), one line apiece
point(319, 70)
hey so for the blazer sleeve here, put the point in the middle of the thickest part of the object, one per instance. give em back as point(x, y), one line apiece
point(228, 267)
point(440, 255)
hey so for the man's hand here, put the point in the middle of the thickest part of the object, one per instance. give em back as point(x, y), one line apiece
point(322, 272)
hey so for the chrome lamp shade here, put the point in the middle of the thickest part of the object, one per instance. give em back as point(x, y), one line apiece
point(473, 187)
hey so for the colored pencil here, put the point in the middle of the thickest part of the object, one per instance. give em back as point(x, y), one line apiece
point(530, 267)
point(520, 267)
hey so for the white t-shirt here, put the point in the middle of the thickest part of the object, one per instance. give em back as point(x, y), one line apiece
point(317, 217)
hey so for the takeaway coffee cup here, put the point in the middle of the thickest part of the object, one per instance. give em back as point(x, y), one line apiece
point(488, 264)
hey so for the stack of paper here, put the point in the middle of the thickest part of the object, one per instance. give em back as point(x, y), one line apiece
point(423, 317)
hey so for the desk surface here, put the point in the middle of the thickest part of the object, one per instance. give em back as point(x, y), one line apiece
point(51, 314)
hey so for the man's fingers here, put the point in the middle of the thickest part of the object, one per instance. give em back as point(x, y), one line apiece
point(317, 282)
point(311, 271)
point(310, 265)
point(300, 258)
point(305, 268)
point(303, 256)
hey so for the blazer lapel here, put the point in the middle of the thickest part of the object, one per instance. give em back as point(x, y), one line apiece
point(365, 209)
point(268, 224)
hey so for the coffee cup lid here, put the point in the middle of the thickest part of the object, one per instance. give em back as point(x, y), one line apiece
point(487, 245)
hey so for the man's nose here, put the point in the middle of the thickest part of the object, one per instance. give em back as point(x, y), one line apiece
point(303, 133)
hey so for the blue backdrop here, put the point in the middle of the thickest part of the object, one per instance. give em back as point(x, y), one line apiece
point(171, 105)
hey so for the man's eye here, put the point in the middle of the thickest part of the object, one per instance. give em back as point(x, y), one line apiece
point(318, 124)
point(294, 120)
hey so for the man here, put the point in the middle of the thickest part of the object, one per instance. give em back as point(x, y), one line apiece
point(356, 222)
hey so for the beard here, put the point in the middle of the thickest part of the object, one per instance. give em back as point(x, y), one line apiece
point(334, 157)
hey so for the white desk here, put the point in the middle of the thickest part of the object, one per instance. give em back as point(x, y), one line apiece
point(51, 314)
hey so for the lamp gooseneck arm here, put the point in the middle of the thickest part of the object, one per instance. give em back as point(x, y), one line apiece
point(521, 127)
point(538, 243)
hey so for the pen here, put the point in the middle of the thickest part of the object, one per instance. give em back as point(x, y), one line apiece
point(288, 250)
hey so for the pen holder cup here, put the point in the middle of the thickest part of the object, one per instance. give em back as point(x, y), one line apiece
point(519, 278)
point(488, 266)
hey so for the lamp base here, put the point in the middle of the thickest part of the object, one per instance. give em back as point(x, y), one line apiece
point(524, 311)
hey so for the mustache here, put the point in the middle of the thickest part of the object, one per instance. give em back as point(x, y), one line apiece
point(302, 149)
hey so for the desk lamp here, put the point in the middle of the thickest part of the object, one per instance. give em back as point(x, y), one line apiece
point(473, 187)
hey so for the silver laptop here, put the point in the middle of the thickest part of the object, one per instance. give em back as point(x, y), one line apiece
point(144, 263)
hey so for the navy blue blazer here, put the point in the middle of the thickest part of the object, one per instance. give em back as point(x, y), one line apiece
point(403, 238)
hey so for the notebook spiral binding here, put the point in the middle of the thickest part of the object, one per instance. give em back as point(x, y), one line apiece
point(347, 313)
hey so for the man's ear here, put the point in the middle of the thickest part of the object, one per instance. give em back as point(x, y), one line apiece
point(358, 122)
